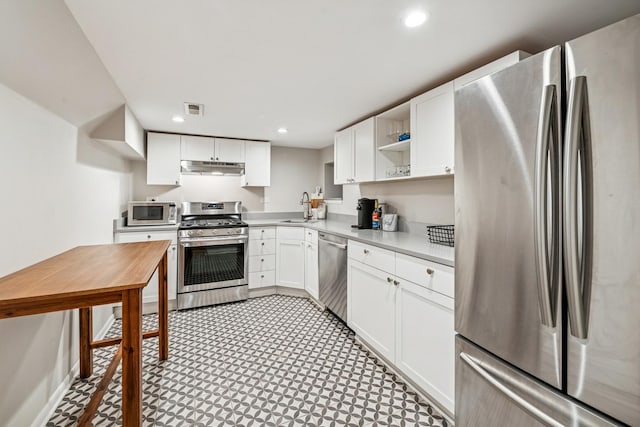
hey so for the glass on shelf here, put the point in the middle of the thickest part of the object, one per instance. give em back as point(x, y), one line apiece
point(398, 171)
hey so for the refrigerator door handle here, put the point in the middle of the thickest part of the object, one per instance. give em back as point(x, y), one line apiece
point(547, 157)
point(498, 383)
point(577, 239)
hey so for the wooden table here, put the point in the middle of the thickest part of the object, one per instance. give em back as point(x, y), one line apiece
point(94, 275)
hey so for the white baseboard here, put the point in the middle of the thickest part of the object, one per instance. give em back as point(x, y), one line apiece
point(102, 332)
point(57, 396)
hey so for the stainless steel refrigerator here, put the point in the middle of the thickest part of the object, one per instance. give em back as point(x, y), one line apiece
point(547, 189)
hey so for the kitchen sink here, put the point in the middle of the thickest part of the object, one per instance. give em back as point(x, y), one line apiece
point(300, 221)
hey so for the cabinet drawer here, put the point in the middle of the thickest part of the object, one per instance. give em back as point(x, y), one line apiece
point(262, 279)
point(262, 247)
point(379, 258)
point(290, 233)
point(311, 236)
point(259, 233)
point(262, 263)
point(139, 236)
point(431, 275)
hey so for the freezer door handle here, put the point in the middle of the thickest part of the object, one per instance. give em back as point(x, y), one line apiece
point(547, 257)
point(578, 237)
point(499, 384)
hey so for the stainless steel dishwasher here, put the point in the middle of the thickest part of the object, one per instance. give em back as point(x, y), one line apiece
point(332, 261)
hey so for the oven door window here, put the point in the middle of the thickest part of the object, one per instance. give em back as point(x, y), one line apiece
point(211, 264)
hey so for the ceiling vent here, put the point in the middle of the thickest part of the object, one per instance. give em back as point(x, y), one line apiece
point(191, 109)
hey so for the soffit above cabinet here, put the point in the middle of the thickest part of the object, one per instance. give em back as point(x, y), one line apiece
point(122, 132)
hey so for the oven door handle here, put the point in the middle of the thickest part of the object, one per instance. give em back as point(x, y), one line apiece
point(208, 241)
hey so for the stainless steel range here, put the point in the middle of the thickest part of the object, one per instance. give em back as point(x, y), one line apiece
point(213, 254)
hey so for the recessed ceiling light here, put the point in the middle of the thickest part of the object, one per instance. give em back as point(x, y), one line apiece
point(282, 130)
point(415, 19)
point(178, 119)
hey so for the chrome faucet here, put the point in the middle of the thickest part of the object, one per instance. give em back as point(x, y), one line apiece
point(306, 206)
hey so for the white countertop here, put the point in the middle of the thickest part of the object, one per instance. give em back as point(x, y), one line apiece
point(416, 245)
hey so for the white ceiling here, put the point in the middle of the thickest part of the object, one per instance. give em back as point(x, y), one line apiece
point(310, 66)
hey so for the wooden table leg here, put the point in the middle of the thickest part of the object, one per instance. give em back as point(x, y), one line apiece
point(163, 310)
point(86, 336)
point(132, 357)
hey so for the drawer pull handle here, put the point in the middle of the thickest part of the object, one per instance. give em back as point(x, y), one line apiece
point(430, 271)
point(389, 280)
point(366, 251)
point(148, 236)
point(262, 260)
point(262, 276)
point(395, 282)
point(262, 231)
point(262, 243)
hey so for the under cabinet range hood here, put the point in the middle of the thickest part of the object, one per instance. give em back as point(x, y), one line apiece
point(193, 167)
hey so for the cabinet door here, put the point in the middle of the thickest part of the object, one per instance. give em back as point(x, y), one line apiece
point(150, 292)
point(262, 247)
point(199, 148)
point(425, 340)
point(343, 157)
point(163, 159)
point(172, 272)
point(311, 269)
point(371, 303)
point(433, 132)
point(229, 150)
point(290, 263)
point(364, 158)
point(257, 164)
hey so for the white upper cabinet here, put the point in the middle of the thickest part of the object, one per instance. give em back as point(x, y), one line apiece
point(208, 149)
point(433, 132)
point(163, 159)
point(257, 164)
point(492, 67)
point(364, 150)
point(343, 156)
point(354, 153)
point(197, 148)
point(229, 150)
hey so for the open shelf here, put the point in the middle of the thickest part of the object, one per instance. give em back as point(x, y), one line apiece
point(396, 146)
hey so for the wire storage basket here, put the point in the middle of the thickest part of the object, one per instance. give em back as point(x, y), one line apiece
point(441, 234)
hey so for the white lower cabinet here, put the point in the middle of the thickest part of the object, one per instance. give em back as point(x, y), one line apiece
point(311, 284)
point(425, 340)
point(150, 292)
point(409, 324)
point(290, 263)
point(371, 305)
point(262, 257)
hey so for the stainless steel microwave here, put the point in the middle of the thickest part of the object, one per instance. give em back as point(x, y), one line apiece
point(152, 213)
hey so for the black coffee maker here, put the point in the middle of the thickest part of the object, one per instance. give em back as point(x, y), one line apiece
point(365, 210)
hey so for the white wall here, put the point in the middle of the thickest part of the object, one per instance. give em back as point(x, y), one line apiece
point(293, 171)
point(59, 190)
point(416, 200)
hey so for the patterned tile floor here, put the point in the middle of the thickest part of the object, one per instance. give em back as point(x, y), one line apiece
point(272, 361)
